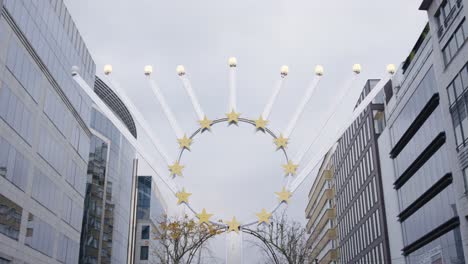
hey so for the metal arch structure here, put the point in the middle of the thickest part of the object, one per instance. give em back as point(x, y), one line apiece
point(242, 120)
point(306, 167)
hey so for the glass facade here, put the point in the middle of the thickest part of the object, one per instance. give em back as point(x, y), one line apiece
point(362, 232)
point(107, 205)
point(423, 178)
point(44, 132)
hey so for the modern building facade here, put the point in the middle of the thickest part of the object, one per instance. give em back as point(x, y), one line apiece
point(151, 209)
point(321, 214)
point(449, 29)
point(106, 234)
point(421, 156)
point(361, 219)
point(44, 134)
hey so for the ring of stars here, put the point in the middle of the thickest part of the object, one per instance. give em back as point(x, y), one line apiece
point(260, 124)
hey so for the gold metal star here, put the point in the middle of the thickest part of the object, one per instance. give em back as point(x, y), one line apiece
point(233, 117)
point(176, 169)
point(205, 123)
point(281, 142)
point(204, 217)
point(290, 168)
point(233, 225)
point(183, 196)
point(263, 217)
point(184, 142)
point(260, 123)
point(284, 195)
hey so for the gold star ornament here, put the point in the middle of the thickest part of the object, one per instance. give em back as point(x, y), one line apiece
point(184, 142)
point(233, 117)
point(290, 168)
point(233, 225)
point(176, 169)
point(183, 196)
point(204, 217)
point(284, 195)
point(205, 123)
point(260, 123)
point(263, 217)
point(281, 142)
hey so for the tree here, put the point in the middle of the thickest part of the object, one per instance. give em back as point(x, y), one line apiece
point(283, 241)
point(180, 239)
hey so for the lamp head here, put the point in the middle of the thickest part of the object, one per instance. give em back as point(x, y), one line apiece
point(180, 70)
point(232, 62)
point(284, 70)
point(107, 69)
point(357, 68)
point(148, 69)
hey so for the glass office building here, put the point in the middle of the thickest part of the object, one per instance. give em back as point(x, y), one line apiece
point(44, 134)
point(360, 209)
point(150, 211)
point(107, 209)
point(422, 160)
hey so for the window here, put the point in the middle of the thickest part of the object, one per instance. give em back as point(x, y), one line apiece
point(144, 253)
point(145, 232)
point(465, 178)
point(10, 218)
point(455, 42)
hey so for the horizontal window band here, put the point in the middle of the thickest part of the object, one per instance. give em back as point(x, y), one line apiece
point(435, 189)
point(418, 122)
point(437, 232)
point(425, 155)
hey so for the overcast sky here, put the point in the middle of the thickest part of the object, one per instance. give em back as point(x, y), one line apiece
point(233, 170)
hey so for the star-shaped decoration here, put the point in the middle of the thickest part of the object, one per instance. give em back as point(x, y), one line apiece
point(184, 142)
point(290, 168)
point(183, 196)
point(205, 123)
point(281, 142)
point(233, 117)
point(204, 217)
point(263, 217)
point(260, 123)
point(284, 195)
point(233, 225)
point(176, 169)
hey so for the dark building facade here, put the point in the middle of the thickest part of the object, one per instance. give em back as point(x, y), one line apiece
point(361, 222)
point(44, 134)
point(151, 209)
point(106, 235)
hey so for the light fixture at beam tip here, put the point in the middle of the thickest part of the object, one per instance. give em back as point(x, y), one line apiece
point(391, 68)
point(357, 68)
point(232, 62)
point(107, 69)
point(75, 70)
point(180, 70)
point(284, 70)
point(319, 70)
point(148, 69)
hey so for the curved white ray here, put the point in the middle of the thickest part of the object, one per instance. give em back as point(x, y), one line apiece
point(232, 88)
point(268, 107)
point(140, 119)
point(165, 107)
point(116, 121)
point(330, 114)
point(300, 108)
point(314, 162)
point(193, 98)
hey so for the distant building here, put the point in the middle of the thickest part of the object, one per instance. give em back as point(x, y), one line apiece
point(151, 209)
point(44, 134)
point(321, 214)
point(361, 220)
point(106, 235)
